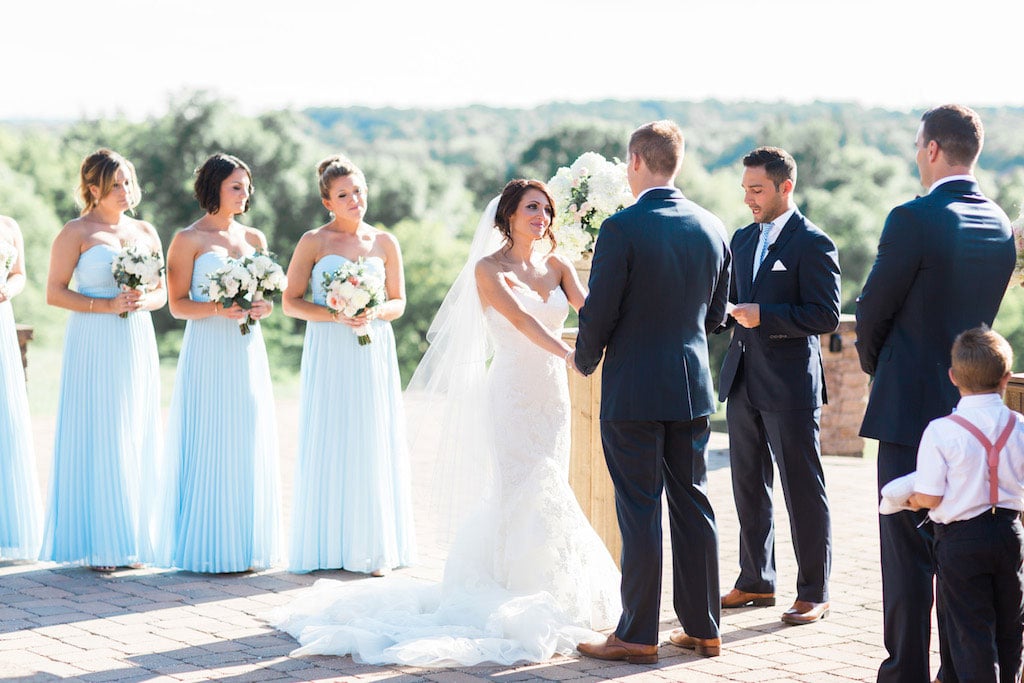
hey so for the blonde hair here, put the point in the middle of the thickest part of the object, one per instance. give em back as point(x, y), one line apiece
point(660, 144)
point(336, 166)
point(99, 169)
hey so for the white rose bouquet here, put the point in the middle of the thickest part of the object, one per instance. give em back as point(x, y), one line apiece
point(243, 281)
point(351, 290)
point(8, 255)
point(268, 275)
point(585, 194)
point(137, 267)
point(232, 284)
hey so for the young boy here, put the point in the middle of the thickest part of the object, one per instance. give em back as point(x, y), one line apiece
point(970, 473)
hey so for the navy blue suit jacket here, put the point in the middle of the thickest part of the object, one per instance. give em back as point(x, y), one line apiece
point(659, 283)
point(943, 264)
point(797, 288)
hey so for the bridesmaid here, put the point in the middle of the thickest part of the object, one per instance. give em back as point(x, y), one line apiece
point(352, 500)
point(105, 481)
point(222, 434)
point(20, 514)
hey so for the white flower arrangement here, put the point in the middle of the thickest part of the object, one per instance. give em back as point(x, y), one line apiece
point(8, 255)
point(137, 267)
point(245, 280)
point(351, 290)
point(586, 193)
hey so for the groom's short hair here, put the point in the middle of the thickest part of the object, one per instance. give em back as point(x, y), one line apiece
point(661, 145)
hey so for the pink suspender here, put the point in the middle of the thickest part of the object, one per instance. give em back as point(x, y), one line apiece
point(992, 451)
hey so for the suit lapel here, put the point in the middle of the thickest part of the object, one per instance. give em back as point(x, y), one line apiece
point(744, 246)
point(788, 230)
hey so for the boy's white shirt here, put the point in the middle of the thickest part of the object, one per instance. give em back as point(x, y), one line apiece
point(952, 463)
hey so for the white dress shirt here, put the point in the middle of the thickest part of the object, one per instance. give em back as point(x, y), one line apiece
point(952, 463)
point(777, 225)
point(949, 179)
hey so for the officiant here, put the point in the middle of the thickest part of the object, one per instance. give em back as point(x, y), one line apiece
point(785, 292)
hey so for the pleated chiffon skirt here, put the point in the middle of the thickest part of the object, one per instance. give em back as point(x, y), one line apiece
point(222, 437)
point(352, 501)
point(20, 506)
point(106, 505)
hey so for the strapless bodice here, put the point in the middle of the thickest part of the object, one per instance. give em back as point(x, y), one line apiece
point(93, 275)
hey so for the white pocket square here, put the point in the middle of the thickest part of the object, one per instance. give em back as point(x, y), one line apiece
point(778, 265)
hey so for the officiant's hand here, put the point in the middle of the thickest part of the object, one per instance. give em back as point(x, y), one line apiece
point(747, 315)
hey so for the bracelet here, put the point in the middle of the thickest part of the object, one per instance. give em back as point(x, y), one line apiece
point(567, 354)
point(91, 302)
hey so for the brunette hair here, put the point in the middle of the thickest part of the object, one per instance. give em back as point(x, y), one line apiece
point(981, 358)
point(511, 196)
point(660, 144)
point(99, 169)
point(334, 167)
point(212, 174)
point(957, 130)
point(778, 164)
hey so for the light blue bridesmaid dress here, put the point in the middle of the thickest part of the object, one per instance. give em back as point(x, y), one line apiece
point(105, 498)
point(222, 437)
point(352, 502)
point(20, 508)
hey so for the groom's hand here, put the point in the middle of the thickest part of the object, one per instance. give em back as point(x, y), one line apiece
point(748, 315)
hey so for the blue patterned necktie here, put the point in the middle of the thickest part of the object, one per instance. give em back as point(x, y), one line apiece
point(762, 251)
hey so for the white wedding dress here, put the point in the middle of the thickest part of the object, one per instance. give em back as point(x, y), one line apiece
point(527, 576)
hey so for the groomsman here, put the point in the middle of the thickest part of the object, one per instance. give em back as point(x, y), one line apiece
point(659, 282)
point(785, 287)
point(943, 264)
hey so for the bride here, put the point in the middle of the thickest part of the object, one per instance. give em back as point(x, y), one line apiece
point(526, 577)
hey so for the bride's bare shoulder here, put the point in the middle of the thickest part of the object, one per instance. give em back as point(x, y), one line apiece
point(488, 265)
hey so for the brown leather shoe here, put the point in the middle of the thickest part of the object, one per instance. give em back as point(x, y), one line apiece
point(616, 649)
point(804, 612)
point(738, 598)
point(705, 647)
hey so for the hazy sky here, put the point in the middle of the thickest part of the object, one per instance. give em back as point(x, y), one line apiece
point(62, 59)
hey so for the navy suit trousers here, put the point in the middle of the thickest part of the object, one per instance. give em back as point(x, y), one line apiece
point(645, 457)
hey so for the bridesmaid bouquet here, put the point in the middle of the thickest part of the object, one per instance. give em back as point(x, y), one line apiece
point(586, 193)
point(352, 289)
point(137, 267)
point(244, 280)
point(8, 255)
point(268, 276)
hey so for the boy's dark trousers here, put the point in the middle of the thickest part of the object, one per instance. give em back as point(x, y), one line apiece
point(980, 585)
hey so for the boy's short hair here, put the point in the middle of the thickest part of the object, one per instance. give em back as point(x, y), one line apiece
point(980, 359)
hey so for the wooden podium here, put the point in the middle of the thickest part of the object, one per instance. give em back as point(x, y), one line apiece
point(1014, 397)
point(588, 473)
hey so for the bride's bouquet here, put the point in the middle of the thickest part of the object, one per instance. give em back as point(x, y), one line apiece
point(8, 255)
point(137, 267)
point(352, 289)
point(585, 194)
point(243, 281)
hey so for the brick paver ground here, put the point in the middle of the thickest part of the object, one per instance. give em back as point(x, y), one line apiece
point(71, 623)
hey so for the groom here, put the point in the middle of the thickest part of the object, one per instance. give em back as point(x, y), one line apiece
point(659, 283)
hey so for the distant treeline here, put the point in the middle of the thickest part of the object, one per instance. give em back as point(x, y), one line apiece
point(431, 172)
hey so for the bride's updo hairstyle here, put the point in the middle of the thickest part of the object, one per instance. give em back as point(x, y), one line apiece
point(334, 167)
point(98, 170)
point(511, 196)
point(212, 174)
